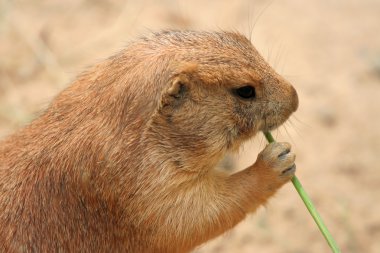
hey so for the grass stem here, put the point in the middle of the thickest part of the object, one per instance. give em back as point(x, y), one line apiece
point(310, 206)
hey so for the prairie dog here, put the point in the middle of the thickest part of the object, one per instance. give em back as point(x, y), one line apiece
point(124, 159)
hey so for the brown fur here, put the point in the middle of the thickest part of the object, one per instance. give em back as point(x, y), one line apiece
point(124, 159)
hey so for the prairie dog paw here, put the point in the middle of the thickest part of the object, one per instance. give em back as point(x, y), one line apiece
point(277, 156)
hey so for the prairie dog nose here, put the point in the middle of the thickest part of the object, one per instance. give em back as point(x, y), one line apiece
point(294, 99)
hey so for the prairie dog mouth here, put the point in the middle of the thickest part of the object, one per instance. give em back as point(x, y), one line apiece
point(269, 125)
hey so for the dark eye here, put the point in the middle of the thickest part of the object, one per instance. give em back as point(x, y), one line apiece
point(246, 92)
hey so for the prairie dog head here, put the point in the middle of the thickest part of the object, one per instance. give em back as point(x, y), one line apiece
point(219, 92)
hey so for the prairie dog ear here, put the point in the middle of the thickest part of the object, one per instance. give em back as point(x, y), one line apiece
point(179, 85)
point(176, 92)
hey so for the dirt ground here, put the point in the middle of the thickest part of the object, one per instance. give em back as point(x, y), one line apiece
point(329, 50)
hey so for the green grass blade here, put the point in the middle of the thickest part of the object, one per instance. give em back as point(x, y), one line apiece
point(310, 206)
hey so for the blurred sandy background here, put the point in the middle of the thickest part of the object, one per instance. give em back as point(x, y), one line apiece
point(329, 50)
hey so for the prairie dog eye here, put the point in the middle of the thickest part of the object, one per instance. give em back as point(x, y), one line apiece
point(246, 92)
